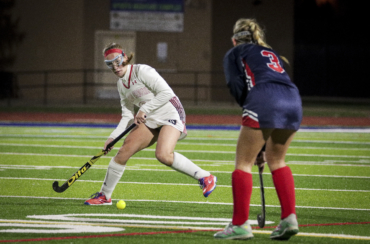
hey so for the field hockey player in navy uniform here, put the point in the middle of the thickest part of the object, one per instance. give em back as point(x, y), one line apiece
point(272, 113)
point(160, 119)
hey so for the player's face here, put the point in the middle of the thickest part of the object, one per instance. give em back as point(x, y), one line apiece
point(114, 62)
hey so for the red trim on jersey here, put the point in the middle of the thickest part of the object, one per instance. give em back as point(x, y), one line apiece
point(247, 121)
point(129, 79)
point(180, 110)
point(114, 50)
point(249, 73)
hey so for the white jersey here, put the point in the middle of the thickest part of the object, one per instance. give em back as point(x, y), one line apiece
point(143, 87)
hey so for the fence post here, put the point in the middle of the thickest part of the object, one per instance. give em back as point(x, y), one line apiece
point(84, 87)
point(196, 87)
point(45, 88)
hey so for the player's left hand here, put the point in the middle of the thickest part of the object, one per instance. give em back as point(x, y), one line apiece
point(140, 117)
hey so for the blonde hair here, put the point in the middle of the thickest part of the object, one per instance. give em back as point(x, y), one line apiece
point(114, 45)
point(249, 31)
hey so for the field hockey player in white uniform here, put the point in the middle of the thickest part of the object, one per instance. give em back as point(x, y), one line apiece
point(160, 118)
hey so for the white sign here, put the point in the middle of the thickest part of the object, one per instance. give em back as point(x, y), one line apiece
point(147, 15)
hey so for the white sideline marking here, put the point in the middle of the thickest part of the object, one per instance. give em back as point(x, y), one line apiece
point(330, 148)
point(135, 168)
point(188, 138)
point(55, 228)
point(228, 144)
point(153, 150)
point(332, 142)
point(205, 220)
point(192, 202)
point(214, 162)
point(176, 184)
point(340, 130)
point(53, 136)
point(36, 224)
point(205, 160)
point(335, 236)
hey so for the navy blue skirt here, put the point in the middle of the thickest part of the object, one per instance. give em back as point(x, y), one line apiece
point(273, 105)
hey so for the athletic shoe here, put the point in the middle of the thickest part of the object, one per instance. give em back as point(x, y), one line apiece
point(98, 199)
point(241, 232)
point(287, 228)
point(208, 184)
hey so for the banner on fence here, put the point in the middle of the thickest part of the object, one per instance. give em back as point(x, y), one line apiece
point(147, 15)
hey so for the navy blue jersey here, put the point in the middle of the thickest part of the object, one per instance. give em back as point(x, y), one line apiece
point(257, 80)
point(247, 65)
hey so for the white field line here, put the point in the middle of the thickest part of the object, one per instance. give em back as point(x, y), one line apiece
point(121, 218)
point(191, 151)
point(135, 168)
point(189, 202)
point(233, 145)
point(336, 130)
point(175, 184)
point(359, 163)
point(293, 147)
point(320, 235)
point(57, 224)
point(214, 162)
point(188, 138)
point(53, 136)
point(336, 236)
point(333, 142)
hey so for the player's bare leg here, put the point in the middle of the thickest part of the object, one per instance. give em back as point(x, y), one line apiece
point(276, 148)
point(166, 143)
point(249, 145)
point(139, 138)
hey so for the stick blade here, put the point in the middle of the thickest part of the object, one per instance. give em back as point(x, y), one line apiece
point(56, 187)
point(261, 220)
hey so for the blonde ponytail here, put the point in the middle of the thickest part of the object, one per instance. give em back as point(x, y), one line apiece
point(255, 34)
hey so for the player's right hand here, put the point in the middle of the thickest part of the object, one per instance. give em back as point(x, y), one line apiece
point(140, 117)
point(261, 159)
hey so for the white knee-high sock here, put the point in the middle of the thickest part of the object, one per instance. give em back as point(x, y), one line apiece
point(184, 165)
point(114, 174)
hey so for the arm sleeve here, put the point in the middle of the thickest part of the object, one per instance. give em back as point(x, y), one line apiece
point(127, 116)
point(235, 77)
point(157, 85)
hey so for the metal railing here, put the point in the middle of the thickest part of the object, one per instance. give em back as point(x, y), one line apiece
point(199, 86)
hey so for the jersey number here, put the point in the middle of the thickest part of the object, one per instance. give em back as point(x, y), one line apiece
point(274, 61)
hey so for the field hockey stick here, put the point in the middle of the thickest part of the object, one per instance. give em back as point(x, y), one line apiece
point(89, 163)
point(261, 217)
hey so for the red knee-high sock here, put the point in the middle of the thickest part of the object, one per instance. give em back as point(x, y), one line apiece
point(242, 190)
point(284, 185)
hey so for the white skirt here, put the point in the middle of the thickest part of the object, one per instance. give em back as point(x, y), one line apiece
point(167, 115)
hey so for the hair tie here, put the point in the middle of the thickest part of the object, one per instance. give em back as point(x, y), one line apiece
point(241, 34)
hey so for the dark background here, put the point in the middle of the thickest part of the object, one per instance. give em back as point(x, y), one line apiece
point(331, 40)
point(331, 48)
